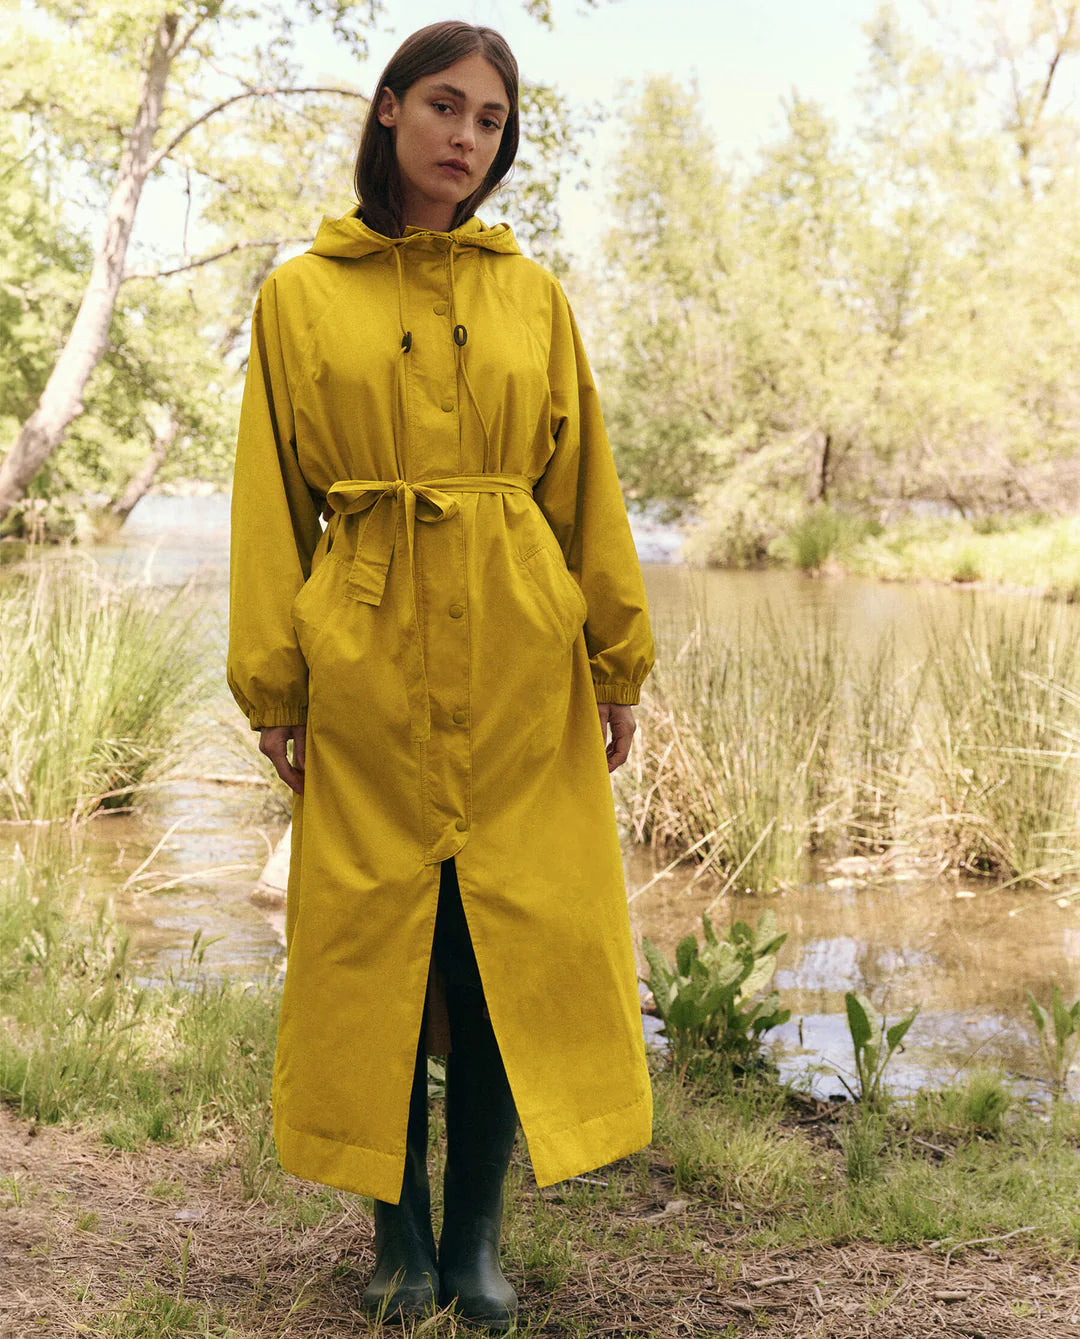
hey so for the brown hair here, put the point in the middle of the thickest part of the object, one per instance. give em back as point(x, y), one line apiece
point(376, 178)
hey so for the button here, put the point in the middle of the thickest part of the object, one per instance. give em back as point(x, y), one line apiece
point(440, 309)
point(461, 824)
point(456, 610)
point(448, 404)
point(459, 718)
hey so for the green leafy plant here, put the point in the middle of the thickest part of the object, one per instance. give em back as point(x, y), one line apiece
point(711, 999)
point(874, 1046)
point(1058, 1044)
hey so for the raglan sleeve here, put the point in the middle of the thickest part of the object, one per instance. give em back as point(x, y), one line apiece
point(274, 530)
point(580, 495)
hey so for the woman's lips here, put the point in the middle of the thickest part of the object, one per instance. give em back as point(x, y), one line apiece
point(454, 170)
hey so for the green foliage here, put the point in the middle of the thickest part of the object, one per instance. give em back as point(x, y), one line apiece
point(978, 1106)
point(874, 1045)
point(83, 1039)
point(966, 568)
point(863, 1139)
point(1059, 1034)
point(819, 534)
point(712, 998)
point(767, 741)
point(884, 700)
point(99, 686)
point(877, 317)
point(984, 1102)
point(252, 150)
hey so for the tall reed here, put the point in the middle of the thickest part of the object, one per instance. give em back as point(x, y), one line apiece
point(1001, 739)
point(882, 699)
point(736, 745)
point(770, 743)
point(98, 686)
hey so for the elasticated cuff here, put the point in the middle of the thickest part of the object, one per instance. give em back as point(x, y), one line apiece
point(282, 715)
point(626, 693)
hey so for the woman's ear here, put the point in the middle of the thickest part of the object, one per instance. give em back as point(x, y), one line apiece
point(387, 109)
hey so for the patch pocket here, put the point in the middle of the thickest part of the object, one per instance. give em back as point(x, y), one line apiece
point(561, 594)
point(313, 608)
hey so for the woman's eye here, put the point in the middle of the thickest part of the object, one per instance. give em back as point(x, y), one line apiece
point(440, 105)
point(491, 125)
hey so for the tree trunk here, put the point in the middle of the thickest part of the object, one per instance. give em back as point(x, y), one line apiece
point(61, 400)
point(120, 507)
point(823, 467)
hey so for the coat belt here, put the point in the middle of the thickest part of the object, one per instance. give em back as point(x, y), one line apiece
point(393, 507)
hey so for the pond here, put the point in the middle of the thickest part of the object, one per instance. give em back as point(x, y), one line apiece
point(965, 953)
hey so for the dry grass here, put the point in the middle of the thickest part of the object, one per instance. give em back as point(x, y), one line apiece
point(164, 1242)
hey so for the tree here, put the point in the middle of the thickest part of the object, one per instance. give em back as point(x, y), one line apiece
point(206, 95)
point(180, 52)
point(871, 321)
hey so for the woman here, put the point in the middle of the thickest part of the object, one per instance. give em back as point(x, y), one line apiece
point(447, 658)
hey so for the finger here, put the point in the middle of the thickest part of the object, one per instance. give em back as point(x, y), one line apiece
point(619, 749)
point(293, 777)
point(299, 747)
point(618, 754)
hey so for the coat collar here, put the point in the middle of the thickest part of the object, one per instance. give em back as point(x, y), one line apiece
point(349, 236)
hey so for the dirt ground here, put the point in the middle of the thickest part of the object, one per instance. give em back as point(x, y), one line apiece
point(101, 1242)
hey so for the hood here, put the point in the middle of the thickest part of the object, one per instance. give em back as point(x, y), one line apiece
point(349, 236)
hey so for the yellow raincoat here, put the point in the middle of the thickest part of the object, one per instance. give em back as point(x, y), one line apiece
point(446, 639)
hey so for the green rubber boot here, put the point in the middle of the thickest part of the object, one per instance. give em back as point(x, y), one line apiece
point(406, 1277)
point(481, 1121)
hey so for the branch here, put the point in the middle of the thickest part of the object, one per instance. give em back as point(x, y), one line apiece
point(239, 97)
point(185, 38)
point(209, 260)
point(1062, 47)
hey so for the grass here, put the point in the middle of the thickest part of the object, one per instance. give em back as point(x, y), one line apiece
point(151, 1203)
point(82, 1039)
point(820, 535)
point(1038, 552)
point(766, 745)
point(736, 749)
point(1001, 740)
point(98, 686)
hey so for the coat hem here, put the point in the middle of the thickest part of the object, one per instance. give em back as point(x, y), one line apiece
point(331, 1162)
point(575, 1149)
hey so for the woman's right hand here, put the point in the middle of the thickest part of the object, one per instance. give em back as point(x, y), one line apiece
point(273, 742)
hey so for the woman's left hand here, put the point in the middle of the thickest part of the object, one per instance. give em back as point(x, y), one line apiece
point(622, 723)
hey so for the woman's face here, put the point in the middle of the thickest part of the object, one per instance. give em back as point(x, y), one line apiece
point(446, 129)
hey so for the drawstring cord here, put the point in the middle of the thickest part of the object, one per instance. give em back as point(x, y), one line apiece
point(401, 405)
point(461, 335)
point(390, 509)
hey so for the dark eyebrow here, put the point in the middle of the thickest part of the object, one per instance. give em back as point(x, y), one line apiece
point(459, 93)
